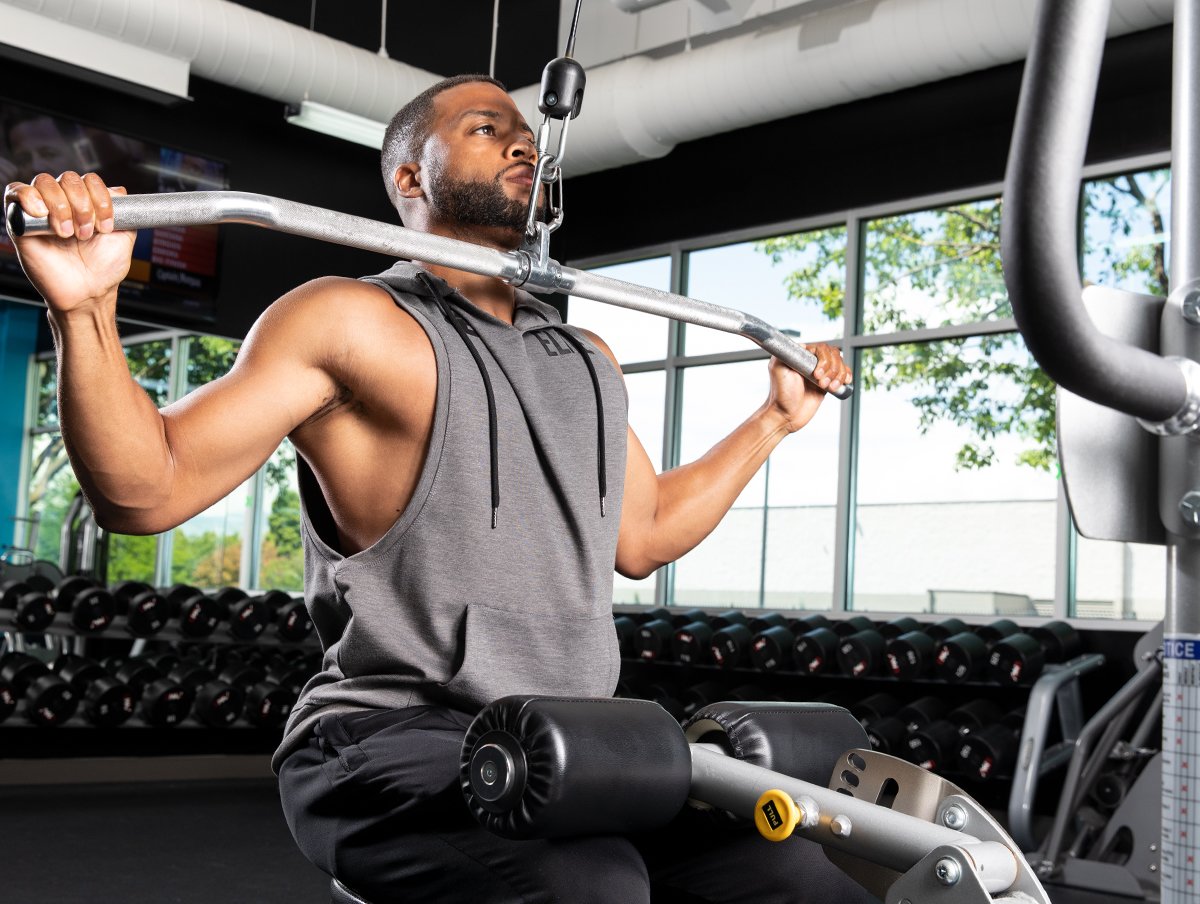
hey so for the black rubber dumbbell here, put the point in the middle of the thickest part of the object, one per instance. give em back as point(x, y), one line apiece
point(8, 700)
point(627, 626)
point(196, 613)
point(864, 653)
point(912, 654)
point(890, 733)
point(146, 611)
point(730, 646)
point(1020, 658)
point(46, 700)
point(699, 695)
point(91, 607)
point(107, 701)
point(292, 621)
point(692, 642)
point(874, 708)
point(935, 746)
point(991, 751)
point(216, 703)
point(161, 702)
point(816, 651)
point(964, 656)
point(772, 647)
point(246, 616)
point(266, 704)
point(653, 638)
point(32, 609)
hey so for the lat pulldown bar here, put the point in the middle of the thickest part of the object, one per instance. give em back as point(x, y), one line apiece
point(538, 273)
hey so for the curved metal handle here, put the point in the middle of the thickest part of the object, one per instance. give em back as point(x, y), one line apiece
point(205, 208)
point(1039, 227)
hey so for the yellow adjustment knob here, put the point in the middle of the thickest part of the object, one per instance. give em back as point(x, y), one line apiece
point(776, 815)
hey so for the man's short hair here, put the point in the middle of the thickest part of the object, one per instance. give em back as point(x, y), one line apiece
point(410, 128)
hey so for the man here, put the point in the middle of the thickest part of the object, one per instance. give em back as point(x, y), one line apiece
point(468, 480)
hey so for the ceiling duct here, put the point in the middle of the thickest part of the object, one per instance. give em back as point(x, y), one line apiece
point(635, 109)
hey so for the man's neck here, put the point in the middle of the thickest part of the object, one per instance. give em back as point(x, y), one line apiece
point(491, 295)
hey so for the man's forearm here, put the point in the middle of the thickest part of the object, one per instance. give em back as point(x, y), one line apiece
point(693, 498)
point(112, 431)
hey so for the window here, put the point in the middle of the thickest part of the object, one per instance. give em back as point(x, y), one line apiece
point(281, 553)
point(632, 335)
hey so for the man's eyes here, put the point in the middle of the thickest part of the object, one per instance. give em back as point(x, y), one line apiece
point(490, 129)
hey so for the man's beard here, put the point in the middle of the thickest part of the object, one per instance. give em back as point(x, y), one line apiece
point(470, 202)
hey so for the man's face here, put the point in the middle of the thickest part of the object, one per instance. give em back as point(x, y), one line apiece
point(39, 147)
point(479, 160)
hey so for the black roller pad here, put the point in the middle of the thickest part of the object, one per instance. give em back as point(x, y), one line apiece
point(803, 740)
point(580, 766)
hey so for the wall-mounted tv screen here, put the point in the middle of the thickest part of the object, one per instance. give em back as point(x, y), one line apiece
point(174, 271)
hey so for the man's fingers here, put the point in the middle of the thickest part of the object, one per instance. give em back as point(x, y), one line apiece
point(58, 206)
point(101, 202)
point(83, 214)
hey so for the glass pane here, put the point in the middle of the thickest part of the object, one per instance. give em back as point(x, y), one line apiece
point(934, 268)
point(207, 550)
point(150, 364)
point(281, 566)
point(209, 357)
point(1127, 224)
point(632, 335)
point(956, 493)
point(52, 486)
point(726, 568)
point(131, 558)
point(47, 403)
point(1119, 580)
point(794, 282)
point(647, 398)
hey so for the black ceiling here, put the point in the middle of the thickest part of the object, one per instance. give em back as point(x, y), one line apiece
point(444, 36)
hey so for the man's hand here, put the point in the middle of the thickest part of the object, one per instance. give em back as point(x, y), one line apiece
point(84, 261)
point(797, 399)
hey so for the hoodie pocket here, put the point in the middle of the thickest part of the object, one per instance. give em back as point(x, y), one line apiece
point(521, 653)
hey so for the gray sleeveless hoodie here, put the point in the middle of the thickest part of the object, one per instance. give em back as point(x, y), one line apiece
point(497, 577)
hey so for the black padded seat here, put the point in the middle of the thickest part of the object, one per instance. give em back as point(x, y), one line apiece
point(340, 894)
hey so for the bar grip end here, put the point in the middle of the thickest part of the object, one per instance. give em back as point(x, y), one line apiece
point(21, 224)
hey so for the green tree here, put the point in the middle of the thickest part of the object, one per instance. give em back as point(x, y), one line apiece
point(940, 267)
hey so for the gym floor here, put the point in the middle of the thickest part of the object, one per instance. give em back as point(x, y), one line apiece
point(195, 842)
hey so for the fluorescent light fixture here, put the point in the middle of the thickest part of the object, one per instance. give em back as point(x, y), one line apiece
point(45, 42)
point(338, 123)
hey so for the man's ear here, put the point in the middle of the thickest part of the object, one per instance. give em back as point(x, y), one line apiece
point(408, 180)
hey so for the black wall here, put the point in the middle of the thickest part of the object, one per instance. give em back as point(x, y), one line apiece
point(937, 137)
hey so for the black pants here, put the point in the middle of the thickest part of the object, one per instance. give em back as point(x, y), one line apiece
point(373, 799)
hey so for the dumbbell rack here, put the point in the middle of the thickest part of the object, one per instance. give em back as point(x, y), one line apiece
point(1057, 697)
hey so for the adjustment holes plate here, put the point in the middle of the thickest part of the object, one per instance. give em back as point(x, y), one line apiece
point(850, 778)
point(856, 761)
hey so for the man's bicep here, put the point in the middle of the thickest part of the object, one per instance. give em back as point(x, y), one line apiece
point(222, 432)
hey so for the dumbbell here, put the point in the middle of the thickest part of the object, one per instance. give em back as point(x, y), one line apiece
point(992, 749)
point(911, 655)
point(864, 652)
point(771, 647)
point(292, 621)
point(8, 700)
point(935, 745)
point(196, 613)
point(627, 626)
point(288, 674)
point(888, 734)
point(730, 646)
point(216, 703)
point(699, 695)
point(48, 700)
point(1020, 658)
point(146, 612)
point(247, 616)
point(964, 656)
point(32, 609)
point(874, 708)
point(692, 643)
point(161, 702)
point(92, 607)
point(815, 651)
point(266, 704)
point(107, 701)
point(653, 638)
point(666, 696)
